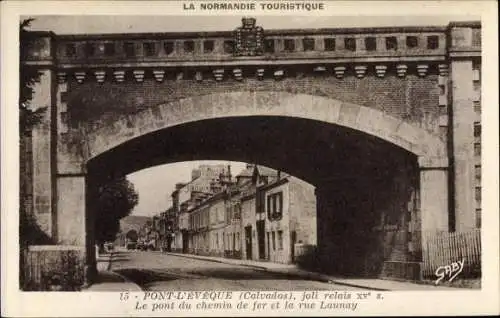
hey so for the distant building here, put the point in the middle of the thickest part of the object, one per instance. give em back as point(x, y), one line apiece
point(265, 215)
point(232, 229)
point(290, 205)
point(199, 220)
point(206, 180)
point(253, 218)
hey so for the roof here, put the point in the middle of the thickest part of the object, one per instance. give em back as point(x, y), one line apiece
point(267, 172)
point(263, 171)
point(247, 172)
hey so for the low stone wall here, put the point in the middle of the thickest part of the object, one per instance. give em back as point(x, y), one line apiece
point(53, 268)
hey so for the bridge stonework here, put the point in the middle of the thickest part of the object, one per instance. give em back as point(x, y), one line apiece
point(416, 88)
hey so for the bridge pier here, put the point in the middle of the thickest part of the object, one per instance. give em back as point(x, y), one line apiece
point(377, 225)
point(55, 195)
point(434, 207)
point(71, 210)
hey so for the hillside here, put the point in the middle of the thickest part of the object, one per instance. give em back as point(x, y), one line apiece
point(132, 222)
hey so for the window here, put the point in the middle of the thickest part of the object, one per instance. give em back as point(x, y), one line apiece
point(442, 90)
point(260, 204)
point(234, 241)
point(217, 240)
point(229, 46)
point(237, 212)
point(89, 49)
point(109, 49)
point(478, 194)
point(370, 44)
point(188, 46)
point(330, 44)
point(432, 42)
point(274, 240)
point(350, 44)
point(477, 106)
point(477, 170)
point(268, 243)
point(269, 45)
point(477, 149)
point(238, 241)
point(208, 46)
point(280, 240)
point(477, 129)
point(391, 43)
point(275, 206)
point(70, 50)
point(478, 218)
point(308, 44)
point(129, 49)
point(289, 45)
point(168, 47)
point(477, 86)
point(411, 42)
point(149, 49)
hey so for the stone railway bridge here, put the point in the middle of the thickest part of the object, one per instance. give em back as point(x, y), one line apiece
point(382, 121)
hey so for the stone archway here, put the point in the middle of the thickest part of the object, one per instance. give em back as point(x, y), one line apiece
point(428, 148)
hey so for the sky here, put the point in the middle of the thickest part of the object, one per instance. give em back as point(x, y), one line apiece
point(155, 185)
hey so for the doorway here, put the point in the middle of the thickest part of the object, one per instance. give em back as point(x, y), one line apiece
point(185, 243)
point(248, 241)
point(261, 239)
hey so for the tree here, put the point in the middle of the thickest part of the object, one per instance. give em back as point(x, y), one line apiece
point(111, 202)
point(30, 232)
point(28, 77)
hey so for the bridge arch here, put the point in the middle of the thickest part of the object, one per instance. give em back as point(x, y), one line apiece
point(379, 174)
point(413, 139)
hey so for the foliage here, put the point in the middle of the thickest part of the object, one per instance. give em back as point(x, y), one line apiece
point(61, 271)
point(28, 77)
point(112, 201)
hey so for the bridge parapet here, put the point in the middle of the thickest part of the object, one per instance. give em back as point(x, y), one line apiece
point(218, 55)
point(379, 43)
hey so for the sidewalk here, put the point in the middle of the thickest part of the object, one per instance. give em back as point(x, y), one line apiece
point(291, 269)
point(108, 280)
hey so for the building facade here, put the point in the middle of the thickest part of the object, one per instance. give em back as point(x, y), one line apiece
point(262, 217)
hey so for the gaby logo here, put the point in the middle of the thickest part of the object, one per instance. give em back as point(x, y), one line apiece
point(451, 271)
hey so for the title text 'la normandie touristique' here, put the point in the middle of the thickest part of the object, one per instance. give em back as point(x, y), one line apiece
point(266, 6)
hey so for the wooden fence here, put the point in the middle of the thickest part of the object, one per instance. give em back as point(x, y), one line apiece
point(52, 267)
point(443, 249)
